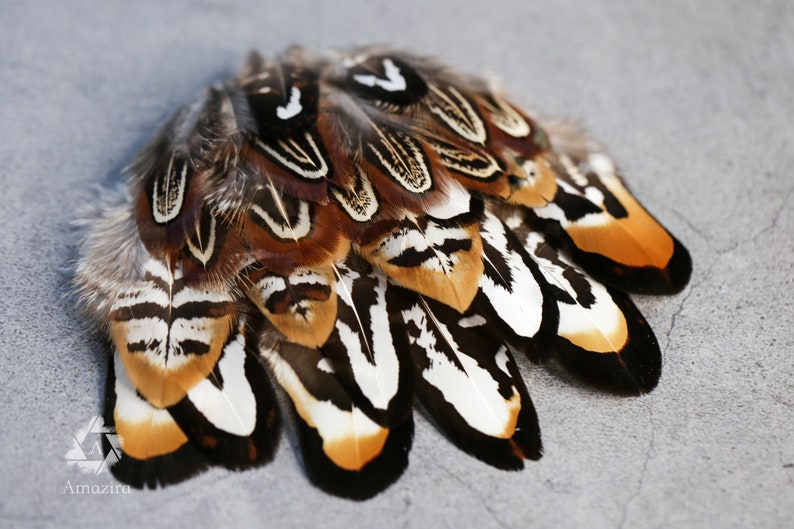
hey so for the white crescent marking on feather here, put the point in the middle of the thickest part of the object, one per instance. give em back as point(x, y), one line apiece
point(501, 360)
point(394, 81)
point(510, 121)
point(293, 106)
point(296, 153)
point(474, 130)
point(426, 180)
point(286, 230)
point(203, 254)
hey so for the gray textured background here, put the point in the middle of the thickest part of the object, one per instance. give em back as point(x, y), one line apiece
point(694, 99)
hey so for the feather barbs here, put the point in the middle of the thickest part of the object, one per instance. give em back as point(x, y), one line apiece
point(361, 230)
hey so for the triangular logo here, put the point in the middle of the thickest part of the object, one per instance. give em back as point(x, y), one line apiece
point(87, 453)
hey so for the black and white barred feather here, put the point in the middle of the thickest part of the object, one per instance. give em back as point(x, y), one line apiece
point(360, 230)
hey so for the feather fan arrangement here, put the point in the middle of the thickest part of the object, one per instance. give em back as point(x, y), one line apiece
point(362, 230)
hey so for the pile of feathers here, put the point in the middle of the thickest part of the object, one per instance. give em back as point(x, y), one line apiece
point(362, 230)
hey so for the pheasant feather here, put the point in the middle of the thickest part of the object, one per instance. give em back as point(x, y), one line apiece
point(360, 230)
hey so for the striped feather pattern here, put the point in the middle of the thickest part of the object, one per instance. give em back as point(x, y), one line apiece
point(169, 335)
point(362, 229)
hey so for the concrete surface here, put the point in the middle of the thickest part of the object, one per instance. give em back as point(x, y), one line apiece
point(694, 99)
